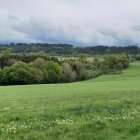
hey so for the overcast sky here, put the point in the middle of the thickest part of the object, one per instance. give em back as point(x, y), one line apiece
point(85, 22)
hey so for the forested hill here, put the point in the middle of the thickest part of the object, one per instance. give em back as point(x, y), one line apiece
point(67, 49)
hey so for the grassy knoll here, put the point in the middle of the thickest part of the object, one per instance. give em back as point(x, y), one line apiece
point(105, 108)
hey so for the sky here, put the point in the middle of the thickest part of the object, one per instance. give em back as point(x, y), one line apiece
point(77, 22)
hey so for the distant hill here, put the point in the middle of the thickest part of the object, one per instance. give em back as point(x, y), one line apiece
point(67, 49)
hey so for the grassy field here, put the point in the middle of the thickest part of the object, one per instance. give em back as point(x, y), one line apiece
point(105, 108)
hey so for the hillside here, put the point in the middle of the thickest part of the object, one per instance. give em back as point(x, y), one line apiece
point(104, 108)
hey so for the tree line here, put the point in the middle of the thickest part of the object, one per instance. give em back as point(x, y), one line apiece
point(42, 71)
point(67, 49)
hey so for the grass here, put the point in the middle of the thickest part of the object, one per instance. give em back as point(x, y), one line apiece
point(105, 108)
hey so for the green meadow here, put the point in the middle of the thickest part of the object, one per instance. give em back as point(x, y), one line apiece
point(104, 108)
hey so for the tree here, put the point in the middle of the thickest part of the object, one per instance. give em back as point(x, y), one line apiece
point(80, 70)
point(104, 68)
point(82, 58)
point(68, 75)
point(52, 72)
point(7, 52)
point(40, 63)
point(96, 62)
point(120, 67)
point(19, 73)
point(38, 76)
point(5, 78)
point(41, 53)
point(11, 61)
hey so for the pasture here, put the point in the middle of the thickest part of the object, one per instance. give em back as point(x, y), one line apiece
point(104, 108)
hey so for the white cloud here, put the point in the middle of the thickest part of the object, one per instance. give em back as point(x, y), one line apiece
point(107, 22)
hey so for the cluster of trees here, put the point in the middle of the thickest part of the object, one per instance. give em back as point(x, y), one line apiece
point(7, 58)
point(48, 71)
point(136, 57)
point(66, 49)
point(38, 71)
point(112, 63)
point(31, 48)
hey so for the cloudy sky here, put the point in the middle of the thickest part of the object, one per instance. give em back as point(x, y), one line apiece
point(84, 22)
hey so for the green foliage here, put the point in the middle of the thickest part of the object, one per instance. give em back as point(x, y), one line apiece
point(112, 63)
point(97, 62)
point(7, 52)
point(41, 71)
point(119, 67)
point(68, 74)
point(11, 61)
point(27, 58)
point(79, 67)
point(104, 68)
point(41, 53)
point(39, 63)
point(52, 72)
point(82, 58)
point(37, 75)
point(104, 108)
point(19, 73)
point(67, 49)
